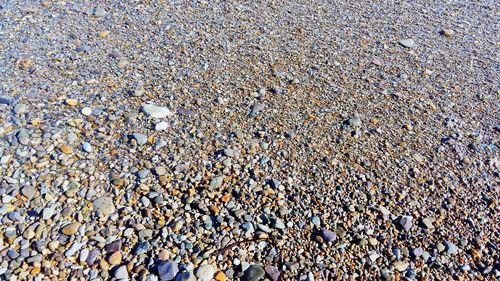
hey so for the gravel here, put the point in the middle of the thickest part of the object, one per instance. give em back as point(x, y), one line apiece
point(229, 140)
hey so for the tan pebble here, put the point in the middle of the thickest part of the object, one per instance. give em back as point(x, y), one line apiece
point(115, 258)
point(164, 255)
point(220, 276)
point(71, 102)
point(104, 34)
point(103, 265)
point(66, 149)
point(71, 228)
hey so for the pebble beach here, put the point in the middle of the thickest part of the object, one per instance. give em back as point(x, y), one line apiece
point(249, 140)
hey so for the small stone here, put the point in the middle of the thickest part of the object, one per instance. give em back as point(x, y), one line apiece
point(86, 111)
point(28, 191)
point(66, 149)
point(167, 270)
point(216, 182)
point(451, 249)
point(99, 12)
point(256, 108)
point(406, 222)
point(220, 276)
point(427, 223)
point(121, 273)
point(71, 228)
point(354, 121)
point(115, 258)
point(328, 235)
point(104, 206)
point(273, 272)
point(155, 111)
point(71, 102)
point(47, 213)
point(408, 43)
point(447, 32)
point(162, 126)
point(400, 265)
point(140, 138)
point(205, 272)
point(20, 108)
point(114, 246)
point(87, 147)
point(253, 273)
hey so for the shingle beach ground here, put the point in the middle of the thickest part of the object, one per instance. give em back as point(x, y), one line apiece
point(249, 140)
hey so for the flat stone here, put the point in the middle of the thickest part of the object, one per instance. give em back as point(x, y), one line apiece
point(140, 138)
point(273, 272)
point(104, 205)
point(71, 228)
point(400, 265)
point(355, 121)
point(408, 43)
point(216, 182)
point(328, 235)
point(87, 147)
point(155, 111)
point(253, 273)
point(162, 126)
point(167, 270)
point(406, 222)
point(121, 273)
point(256, 108)
point(86, 111)
point(205, 272)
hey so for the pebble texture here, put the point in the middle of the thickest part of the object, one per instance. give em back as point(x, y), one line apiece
point(249, 140)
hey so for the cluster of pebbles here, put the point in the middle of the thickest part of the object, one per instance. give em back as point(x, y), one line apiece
point(230, 140)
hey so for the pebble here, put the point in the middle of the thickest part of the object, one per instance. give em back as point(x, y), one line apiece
point(121, 273)
point(155, 111)
point(71, 228)
point(205, 272)
point(253, 273)
point(451, 249)
point(400, 265)
point(104, 206)
point(355, 121)
point(273, 272)
point(408, 43)
point(86, 111)
point(87, 147)
point(167, 270)
point(406, 222)
point(328, 235)
point(162, 126)
point(140, 138)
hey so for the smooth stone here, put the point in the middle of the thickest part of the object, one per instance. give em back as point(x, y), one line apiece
point(273, 272)
point(140, 138)
point(71, 228)
point(167, 270)
point(328, 235)
point(155, 111)
point(86, 111)
point(256, 108)
point(121, 273)
point(75, 247)
point(354, 121)
point(253, 273)
point(451, 249)
point(104, 205)
point(162, 126)
point(406, 222)
point(216, 182)
point(28, 191)
point(408, 43)
point(205, 272)
point(400, 265)
point(87, 147)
